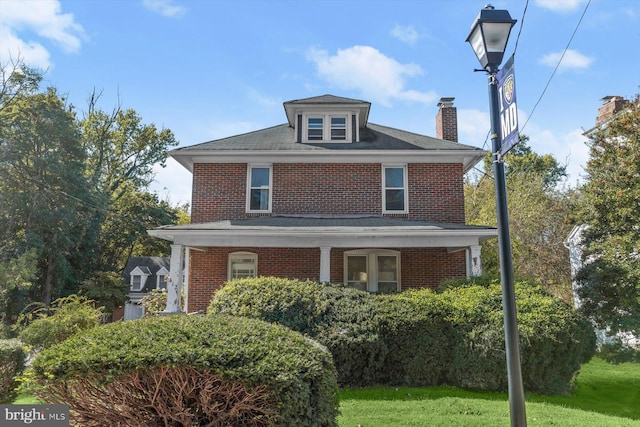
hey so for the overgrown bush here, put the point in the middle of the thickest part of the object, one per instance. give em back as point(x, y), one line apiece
point(418, 341)
point(43, 327)
point(12, 358)
point(197, 370)
point(554, 339)
point(373, 340)
point(296, 304)
point(421, 337)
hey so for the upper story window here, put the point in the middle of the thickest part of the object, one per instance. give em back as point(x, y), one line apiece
point(259, 188)
point(394, 189)
point(326, 128)
point(338, 128)
point(242, 264)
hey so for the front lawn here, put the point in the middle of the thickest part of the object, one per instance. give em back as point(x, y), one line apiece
point(605, 395)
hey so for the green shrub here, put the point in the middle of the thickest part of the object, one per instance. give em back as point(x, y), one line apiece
point(294, 374)
point(66, 317)
point(455, 336)
point(554, 339)
point(418, 340)
point(350, 329)
point(293, 303)
point(342, 319)
point(12, 358)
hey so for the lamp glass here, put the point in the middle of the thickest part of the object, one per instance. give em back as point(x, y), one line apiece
point(496, 35)
point(477, 42)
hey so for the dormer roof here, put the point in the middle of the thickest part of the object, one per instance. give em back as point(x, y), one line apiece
point(327, 102)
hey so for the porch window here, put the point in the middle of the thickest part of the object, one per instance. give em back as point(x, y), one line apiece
point(373, 270)
point(242, 264)
point(394, 185)
point(259, 183)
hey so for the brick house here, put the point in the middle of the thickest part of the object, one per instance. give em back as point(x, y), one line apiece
point(328, 196)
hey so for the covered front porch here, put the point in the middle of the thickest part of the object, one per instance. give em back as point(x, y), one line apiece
point(378, 254)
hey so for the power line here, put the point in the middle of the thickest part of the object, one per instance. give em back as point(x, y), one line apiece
point(557, 65)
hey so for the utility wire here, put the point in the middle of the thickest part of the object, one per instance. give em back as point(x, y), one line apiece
point(557, 65)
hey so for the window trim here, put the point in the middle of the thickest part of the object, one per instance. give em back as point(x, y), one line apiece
point(372, 266)
point(236, 255)
point(327, 127)
point(250, 168)
point(405, 179)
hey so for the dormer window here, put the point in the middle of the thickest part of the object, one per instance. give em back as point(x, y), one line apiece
point(315, 128)
point(327, 128)
point(138, 278)
point(338, 128)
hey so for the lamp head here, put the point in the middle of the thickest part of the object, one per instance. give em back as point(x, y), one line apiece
point(489, 35)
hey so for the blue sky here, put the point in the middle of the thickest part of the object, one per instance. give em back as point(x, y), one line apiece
point(210, 69)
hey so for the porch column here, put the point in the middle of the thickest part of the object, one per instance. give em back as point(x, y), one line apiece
point(175, 280)
point(474, 261)
point(325, 264)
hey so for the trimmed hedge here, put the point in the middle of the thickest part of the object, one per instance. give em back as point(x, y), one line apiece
point(12, 358)
point(420, 337)
point(297, 372)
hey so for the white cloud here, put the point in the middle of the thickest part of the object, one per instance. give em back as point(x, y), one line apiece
point(164, 7)
point(406, 34)
point(45, 18)
point(572, 60)
point(363, 68)
point(560, 5)
point(473, 128)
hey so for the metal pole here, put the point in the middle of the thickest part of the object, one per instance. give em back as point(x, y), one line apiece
point(511, 335)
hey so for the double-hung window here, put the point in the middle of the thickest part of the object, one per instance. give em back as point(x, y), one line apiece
point(373, 270)
point(327, 128)
point(339, 128)
point(259, 188)
point(315, 128)
point(394, 189)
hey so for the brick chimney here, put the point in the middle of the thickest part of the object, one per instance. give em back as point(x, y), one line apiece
point(447, 120)
point(611, 105)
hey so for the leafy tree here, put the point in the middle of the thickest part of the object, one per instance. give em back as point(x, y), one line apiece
point(610, 280)
point(122, 152)
point(106, 288)
point(44, 193)
point(539, 218)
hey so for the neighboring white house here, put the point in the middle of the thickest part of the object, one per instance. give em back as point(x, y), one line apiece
point(142, 274)
point(574, 242)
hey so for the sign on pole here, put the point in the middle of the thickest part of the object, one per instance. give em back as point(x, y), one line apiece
point(508, 108)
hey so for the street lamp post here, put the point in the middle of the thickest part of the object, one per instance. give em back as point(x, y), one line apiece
point(488, 38)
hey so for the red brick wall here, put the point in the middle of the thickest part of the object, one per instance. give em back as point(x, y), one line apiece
point(419, 267)
point(435, 191)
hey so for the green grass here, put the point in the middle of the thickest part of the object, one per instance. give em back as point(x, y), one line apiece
point(605, 395)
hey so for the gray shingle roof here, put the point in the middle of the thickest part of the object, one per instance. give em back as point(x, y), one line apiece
point(282, 137)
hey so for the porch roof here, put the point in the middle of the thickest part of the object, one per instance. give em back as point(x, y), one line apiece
point(305, 231)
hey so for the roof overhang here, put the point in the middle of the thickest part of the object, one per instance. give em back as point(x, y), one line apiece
point(468, 158)
point(215, 235)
